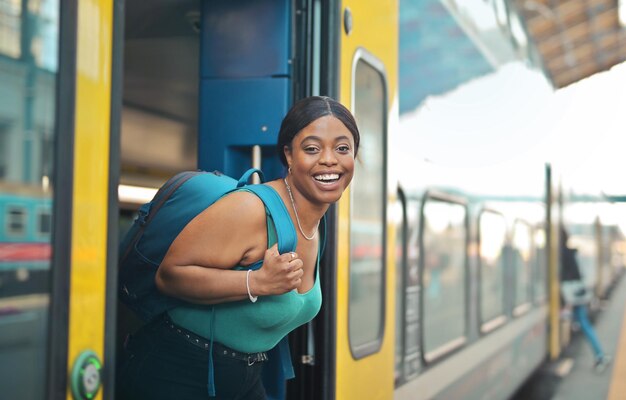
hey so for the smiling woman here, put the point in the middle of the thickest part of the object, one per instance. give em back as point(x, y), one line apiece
point(321, 161)
point(214, 263)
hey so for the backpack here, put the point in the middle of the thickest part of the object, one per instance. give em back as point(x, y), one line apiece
point(160, 221)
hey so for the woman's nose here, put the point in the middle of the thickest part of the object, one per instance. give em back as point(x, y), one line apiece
point(327, 157)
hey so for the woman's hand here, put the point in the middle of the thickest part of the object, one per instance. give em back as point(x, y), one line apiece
point(279, 274)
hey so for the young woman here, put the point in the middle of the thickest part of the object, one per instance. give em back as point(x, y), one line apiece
point(169, 358)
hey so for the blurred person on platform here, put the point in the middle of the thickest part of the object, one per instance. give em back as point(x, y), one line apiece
point(576, 295)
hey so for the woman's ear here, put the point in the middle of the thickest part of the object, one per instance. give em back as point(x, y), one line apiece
point(288, 156)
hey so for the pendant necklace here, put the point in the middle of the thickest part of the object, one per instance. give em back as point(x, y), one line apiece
point(295, 211)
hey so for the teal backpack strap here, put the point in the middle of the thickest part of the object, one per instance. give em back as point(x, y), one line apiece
point(246, 176)
point(285, 231)
point(287, 240)
point(285, 358)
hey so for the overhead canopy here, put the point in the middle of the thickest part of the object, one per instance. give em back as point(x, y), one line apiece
point(574, 38)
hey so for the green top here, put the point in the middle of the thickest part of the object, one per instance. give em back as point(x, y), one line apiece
point(253, 327)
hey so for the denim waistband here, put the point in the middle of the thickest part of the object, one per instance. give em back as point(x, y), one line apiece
point(218, 348)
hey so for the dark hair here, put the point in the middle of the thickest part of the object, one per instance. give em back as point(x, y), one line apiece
point(308, 110)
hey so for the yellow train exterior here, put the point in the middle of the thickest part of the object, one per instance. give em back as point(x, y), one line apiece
point(103, 99)
point(64, 60)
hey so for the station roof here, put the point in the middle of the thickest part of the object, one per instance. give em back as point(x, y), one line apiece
point(574, 38)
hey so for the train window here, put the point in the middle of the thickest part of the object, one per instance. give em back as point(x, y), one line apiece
point(444, 246)
point(367, 223)
point(492, 242)
point(540, 269)
point(29, 38)
point(10, 27)
point(4, 149)
point(16, 221)
point(521, 253)
point(44, 222)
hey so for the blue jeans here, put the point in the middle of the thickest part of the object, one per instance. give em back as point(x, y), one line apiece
point(160, 365)
point(580, 313)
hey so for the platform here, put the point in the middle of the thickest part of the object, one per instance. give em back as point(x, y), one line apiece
point(572, 376)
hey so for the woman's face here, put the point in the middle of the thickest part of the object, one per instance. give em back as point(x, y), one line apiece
point(321, 160)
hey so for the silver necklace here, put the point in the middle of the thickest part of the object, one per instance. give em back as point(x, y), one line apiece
point(295, 211)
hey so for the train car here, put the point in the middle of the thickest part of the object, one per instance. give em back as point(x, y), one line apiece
point(472, 292)
point(25, 218)
point(440, 271)
point(472, 305)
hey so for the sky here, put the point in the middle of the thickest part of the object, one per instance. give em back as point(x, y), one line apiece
point(591, 122)
point(515, 116)
point(512, 119)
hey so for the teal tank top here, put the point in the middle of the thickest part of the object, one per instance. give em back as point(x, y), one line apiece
point(253, 327)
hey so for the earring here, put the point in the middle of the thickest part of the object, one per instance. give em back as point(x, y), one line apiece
point(289, 170)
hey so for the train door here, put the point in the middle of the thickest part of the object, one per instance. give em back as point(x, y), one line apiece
point(207, 84)
point(55, 190)
point(365, 265)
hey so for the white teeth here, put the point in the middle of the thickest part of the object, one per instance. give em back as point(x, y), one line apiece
point(327, 177)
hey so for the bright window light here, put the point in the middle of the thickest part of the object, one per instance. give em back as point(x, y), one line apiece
point(135, 194)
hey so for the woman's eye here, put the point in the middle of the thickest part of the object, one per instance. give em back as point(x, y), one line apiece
point(343, 149)
point(310, 149)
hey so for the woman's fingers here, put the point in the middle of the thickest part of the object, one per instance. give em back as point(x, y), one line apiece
point(287, 257)
point(297, 270)
point(280, 272)
point(295, 265)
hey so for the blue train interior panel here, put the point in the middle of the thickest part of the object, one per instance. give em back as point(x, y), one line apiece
point(245, 83)
point(237, 114)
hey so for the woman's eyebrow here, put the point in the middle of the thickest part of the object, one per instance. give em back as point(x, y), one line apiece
point(319, 139)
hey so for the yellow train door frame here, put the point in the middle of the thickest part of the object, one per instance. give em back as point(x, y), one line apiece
point(369, 34)
point(81, 344)
point(62, 207)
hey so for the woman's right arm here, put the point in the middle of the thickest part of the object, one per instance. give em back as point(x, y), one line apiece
point(198, 266)
point(206, 285)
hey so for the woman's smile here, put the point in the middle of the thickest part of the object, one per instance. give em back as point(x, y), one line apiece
point(328, 180)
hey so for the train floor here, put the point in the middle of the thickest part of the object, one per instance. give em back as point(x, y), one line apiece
point(572, 376)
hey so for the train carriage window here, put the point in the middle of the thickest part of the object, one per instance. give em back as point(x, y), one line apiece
point(4, 149)
point(10, 27)
point(540, 271)
point(492, 242)
point(444, 245)
point(521, 258)
point(44, 222)
point(367, 224)
point(29, 38)
point(16, 222)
